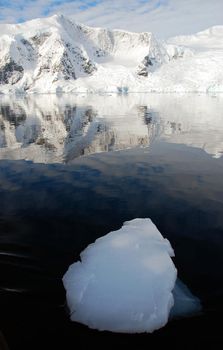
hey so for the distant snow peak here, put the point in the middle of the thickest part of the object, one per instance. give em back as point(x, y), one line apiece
point(55, 54)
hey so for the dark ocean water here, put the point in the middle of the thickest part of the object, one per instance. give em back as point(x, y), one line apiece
point(49, 212)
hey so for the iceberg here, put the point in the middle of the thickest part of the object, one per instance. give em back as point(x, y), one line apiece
point(125, 281)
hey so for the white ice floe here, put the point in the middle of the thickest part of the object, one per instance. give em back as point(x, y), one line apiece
point(124, 281)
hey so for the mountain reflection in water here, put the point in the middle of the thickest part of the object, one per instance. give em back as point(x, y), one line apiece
point(49, 129)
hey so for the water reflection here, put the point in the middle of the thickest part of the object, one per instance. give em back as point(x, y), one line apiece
point(48, 128)
point(51, 131)
point(50, 212)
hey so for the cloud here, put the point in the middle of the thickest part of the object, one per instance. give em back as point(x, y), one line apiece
point(163, 17)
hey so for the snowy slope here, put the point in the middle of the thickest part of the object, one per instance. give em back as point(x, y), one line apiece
point(211, 38)
point(56, 55)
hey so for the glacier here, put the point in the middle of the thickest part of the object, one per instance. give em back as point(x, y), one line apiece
point(126, 282)
point(57, 55)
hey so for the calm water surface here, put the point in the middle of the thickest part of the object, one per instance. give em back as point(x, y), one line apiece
point(73, 168)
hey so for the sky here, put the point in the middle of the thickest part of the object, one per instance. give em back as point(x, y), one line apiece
point(165, 18)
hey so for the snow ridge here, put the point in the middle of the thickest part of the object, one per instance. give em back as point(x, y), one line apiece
point(54, 55)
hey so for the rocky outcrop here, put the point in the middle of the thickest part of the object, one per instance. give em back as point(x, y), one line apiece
point(10, 72)
point(144, 66)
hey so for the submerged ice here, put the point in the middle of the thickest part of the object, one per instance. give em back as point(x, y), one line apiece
point(125, 281)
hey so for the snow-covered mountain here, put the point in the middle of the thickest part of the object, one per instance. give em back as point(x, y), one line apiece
point(56, 55)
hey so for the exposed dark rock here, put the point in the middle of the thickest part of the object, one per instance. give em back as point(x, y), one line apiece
point(88, 66)
point(65, 66)
point(40, 39)
point(147, 61)
point(143, 71)
point(10, 72)
point(43, 68)
point(99, 52)
point(143, 67)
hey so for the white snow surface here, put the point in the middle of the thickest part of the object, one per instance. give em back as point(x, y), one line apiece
point(125, 280)
point(54, 55)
